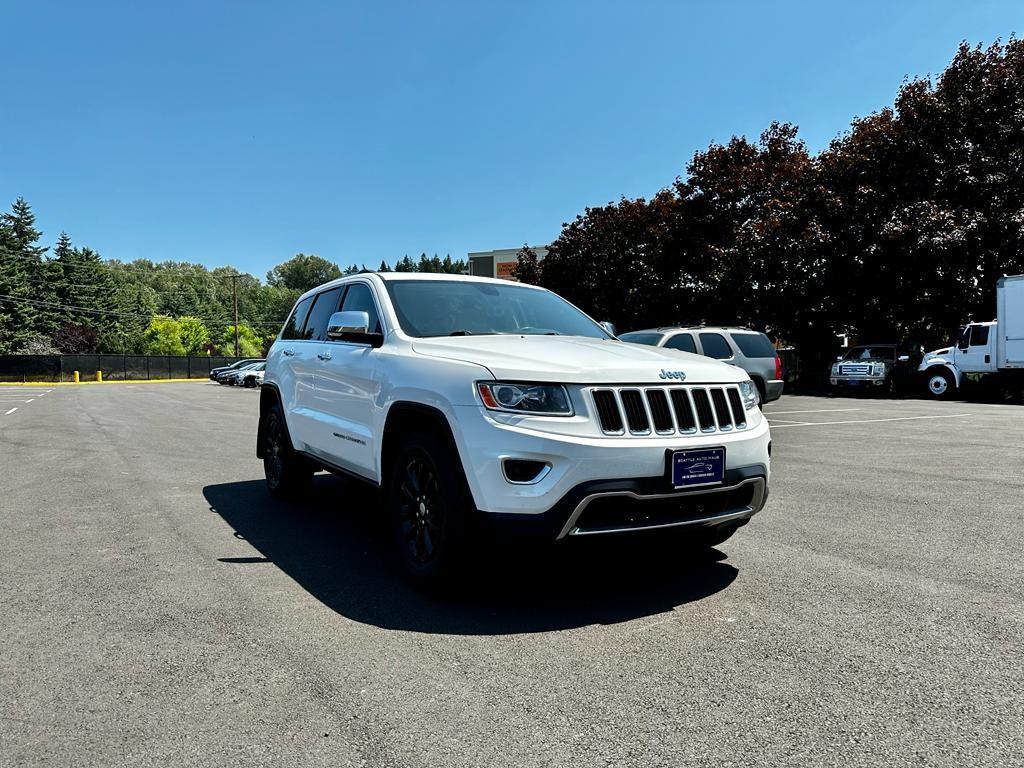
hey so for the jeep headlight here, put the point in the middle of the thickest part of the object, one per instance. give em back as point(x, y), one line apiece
point(835, 369)
point(535, 399)
point(878, 369)
point(749, 394)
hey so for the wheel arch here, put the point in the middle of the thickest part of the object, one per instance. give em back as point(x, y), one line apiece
point(404, 417)
point(269, 397)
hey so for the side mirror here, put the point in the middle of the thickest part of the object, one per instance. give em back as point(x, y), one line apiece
point(353, 325)
point(838, 358)
point(903, 359)
point(608, 327)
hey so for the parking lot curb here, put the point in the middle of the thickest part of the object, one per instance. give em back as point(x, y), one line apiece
point(93, 383)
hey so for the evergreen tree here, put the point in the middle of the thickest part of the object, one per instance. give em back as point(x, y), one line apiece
point(23, 279)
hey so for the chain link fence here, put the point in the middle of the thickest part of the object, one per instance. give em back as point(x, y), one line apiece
point(114, 367)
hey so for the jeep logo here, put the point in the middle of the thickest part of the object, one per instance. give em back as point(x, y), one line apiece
point(671, 375)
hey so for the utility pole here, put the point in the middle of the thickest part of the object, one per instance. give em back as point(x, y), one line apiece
point(234, 300)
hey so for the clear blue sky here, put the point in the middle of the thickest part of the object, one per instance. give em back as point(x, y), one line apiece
point(243, 132)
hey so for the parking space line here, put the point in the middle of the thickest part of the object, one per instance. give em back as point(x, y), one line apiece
point(820, 410)
point(785, 421)
point(11, 411)
point(871, 421)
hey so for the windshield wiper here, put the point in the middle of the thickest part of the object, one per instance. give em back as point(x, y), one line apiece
point(461, 333)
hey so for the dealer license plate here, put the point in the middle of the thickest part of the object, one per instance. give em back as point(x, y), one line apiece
point(700, 466)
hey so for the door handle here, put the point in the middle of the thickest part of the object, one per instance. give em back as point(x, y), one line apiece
point(287, 352)
point(324, 355)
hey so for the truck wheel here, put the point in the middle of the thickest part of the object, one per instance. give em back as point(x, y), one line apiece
point(429, 506)
point(941, 384)
point(287, 473)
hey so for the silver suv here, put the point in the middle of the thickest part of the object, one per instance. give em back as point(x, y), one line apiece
point(750, 350)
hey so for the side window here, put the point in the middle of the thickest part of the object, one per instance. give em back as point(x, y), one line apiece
point(293, 328)
point(683, 342)
point(715, 346)
point(326, 304)
point(979, 335)
point(359, 298)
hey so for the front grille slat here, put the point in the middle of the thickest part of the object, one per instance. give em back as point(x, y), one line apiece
point(682, 410)
point(685, 420)
point(607, 410)
point(636, 414)
point(661, 416)
point(722, 415)
point(739, 415)
point(702, 403)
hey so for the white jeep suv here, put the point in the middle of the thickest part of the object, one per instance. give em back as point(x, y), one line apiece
point(476, 404)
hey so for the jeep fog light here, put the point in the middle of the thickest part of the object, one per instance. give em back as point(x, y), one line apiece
point(749, 393)
point(525, 471)
point(536, 399)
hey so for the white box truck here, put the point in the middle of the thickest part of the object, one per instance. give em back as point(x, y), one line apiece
point(992, 349)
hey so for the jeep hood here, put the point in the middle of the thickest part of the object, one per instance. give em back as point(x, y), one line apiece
point(577, 360)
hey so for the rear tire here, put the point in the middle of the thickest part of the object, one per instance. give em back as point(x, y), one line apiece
point(429, 505)
point(287, 473)
point(940, 384)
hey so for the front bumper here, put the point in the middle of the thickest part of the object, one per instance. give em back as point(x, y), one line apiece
point(857, 381)
point(638, 505)
point(579, 467)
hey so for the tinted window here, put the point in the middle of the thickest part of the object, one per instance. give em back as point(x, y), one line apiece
point(753, 344)
point(638, 337)
point(460, 308)
point(715, 345)
point(979, 335)
point(683, 342)
point(359, 298)
point(326, 304)
point(293, 328)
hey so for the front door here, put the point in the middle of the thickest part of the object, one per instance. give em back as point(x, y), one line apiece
point(975, 351)
point(347, 386)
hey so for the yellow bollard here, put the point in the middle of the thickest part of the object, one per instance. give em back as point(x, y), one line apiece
point(99, 376)
point(76, 377)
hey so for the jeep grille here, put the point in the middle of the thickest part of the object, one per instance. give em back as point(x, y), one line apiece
point(685, 410)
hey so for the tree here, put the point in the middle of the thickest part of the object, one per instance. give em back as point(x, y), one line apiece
point(163, 337)
point(193, 335)
point(303, 272)
point(250, 344)
point(528, 267)
point(22, 279)
point(76, 339)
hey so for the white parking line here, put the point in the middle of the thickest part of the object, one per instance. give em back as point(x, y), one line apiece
point(10, 411)
point(821, 410)
point(869, 421)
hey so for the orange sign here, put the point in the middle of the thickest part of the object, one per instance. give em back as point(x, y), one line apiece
point(505, 269)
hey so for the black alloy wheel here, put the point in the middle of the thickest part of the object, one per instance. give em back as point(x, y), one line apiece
point(421, 512)
point(286, 473)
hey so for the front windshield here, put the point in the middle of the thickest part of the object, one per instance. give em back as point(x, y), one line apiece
point(870, 353)
point(468, 308)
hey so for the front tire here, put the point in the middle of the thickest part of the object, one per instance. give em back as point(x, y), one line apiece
point(429, 505)
point(287, 473)
point(940, 384)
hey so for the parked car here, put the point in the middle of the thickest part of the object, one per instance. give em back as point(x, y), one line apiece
point(214, 372)
point(253, 377)
point(235, 377)
point(881, 368)
point(750, 350)
point(476, 403)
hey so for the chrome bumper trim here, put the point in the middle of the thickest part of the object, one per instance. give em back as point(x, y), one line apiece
point(755, 506)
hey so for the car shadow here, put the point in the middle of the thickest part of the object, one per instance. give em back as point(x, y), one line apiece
point(335, 546)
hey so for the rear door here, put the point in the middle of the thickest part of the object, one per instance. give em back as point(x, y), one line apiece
point(347, 385)
point(714, 344)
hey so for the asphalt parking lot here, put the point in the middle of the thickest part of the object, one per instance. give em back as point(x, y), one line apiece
point(159, 609)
